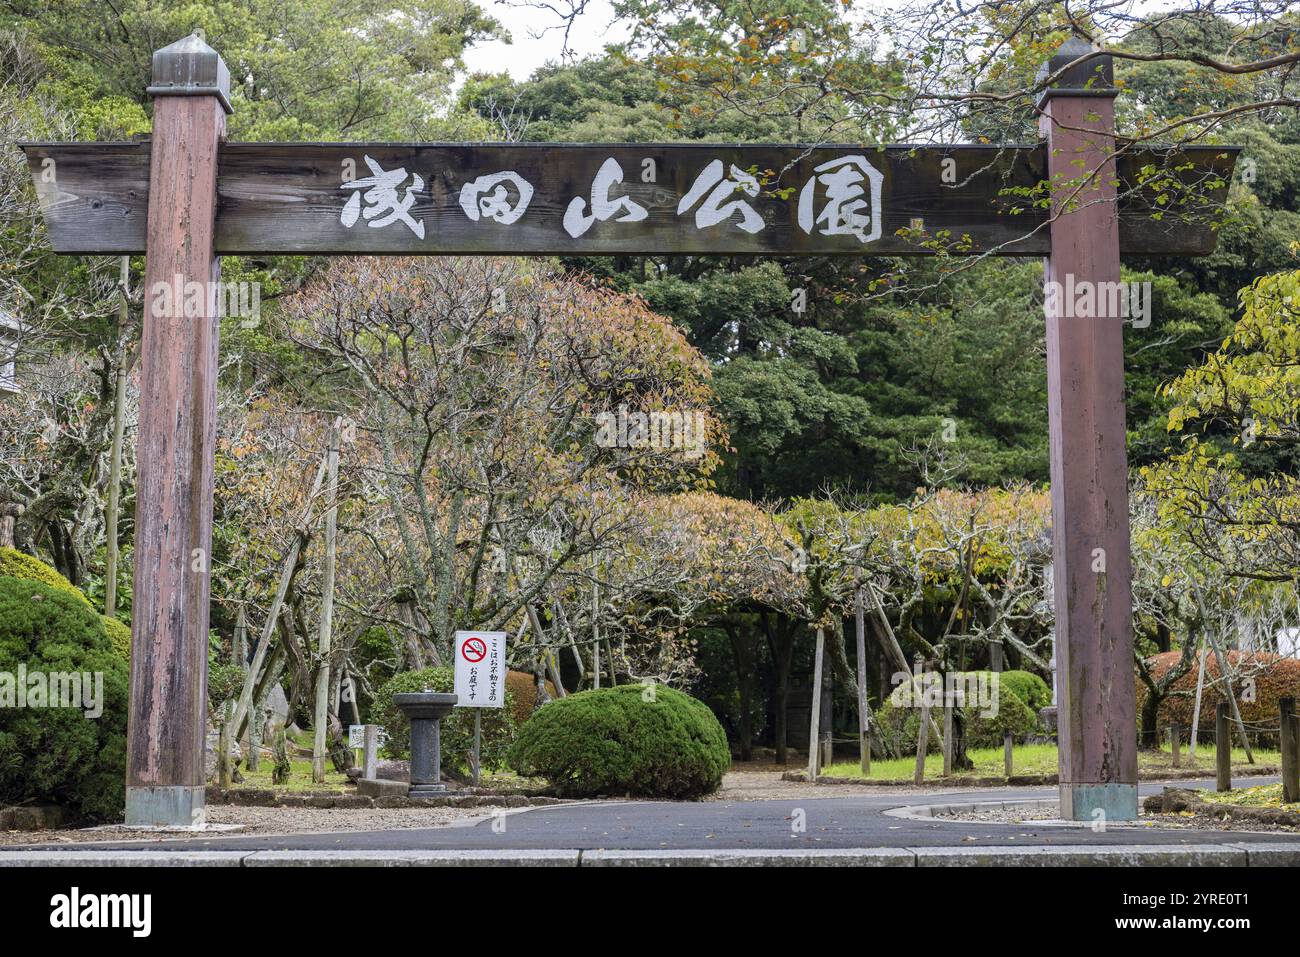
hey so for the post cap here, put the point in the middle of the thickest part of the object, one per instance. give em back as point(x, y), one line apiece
point(1094, 77)
point(189, 67)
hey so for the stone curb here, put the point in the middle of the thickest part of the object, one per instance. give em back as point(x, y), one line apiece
point(1112, 855)
point(381, 787)
point(926, 812)
point(1084, 855)
point(121, 858)
point(447, 858)
point(783, 857)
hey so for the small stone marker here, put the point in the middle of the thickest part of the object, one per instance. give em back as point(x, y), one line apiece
point(370, 751)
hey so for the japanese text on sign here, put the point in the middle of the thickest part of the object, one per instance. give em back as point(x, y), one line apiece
point(480, 669)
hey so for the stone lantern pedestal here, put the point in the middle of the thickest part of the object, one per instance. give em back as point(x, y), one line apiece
point(426, 709)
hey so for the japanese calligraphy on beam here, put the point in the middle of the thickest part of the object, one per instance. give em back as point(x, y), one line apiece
point(560, 199)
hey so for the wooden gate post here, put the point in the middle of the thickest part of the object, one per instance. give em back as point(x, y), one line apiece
point(178, 377)
point(1089, 470)
point(1288, 746)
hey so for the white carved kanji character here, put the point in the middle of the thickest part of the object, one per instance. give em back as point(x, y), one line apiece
point(379, 193)
point(476, 200)
point(719, 188)
point(576, 222)
point(848, 210)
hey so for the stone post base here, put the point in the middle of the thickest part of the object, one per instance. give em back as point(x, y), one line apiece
point(176, 806)
point(1103, 803)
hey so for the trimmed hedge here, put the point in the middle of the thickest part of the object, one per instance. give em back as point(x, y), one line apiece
point(498, 724)
point(119, 635)
point(1274, 677)
point(627, 740)
point(58, 755)
point(1013, 715)
point(521, 689)
point(1020, 695)
point(1028, 687)
point(18, 564)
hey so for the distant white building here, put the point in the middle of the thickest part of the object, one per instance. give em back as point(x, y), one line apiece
point(1288, 642)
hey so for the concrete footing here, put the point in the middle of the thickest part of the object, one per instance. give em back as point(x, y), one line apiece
point(175, 806)
point(1099, 802)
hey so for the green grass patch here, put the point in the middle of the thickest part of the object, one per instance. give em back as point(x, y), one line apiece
point(1031, 759)
point(299, 777)
point(300, 781)
point(1027, 759)
point(1163, 759)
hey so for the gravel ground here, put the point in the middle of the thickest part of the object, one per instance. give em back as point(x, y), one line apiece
point(270, 820)
point(1000, 815)
point(994, 815)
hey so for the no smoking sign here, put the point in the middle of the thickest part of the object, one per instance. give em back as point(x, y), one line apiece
point(480, 669)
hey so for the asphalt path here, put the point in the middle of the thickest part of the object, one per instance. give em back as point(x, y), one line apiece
point(804, 823)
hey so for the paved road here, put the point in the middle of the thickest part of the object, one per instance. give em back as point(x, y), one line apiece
point(840, 822)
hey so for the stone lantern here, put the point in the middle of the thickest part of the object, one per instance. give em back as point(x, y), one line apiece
point(426, 709)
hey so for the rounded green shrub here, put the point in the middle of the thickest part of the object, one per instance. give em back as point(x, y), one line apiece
point(119, 635)
point(59, 755)
point(1028, 687)
point(648, 742)
point(988, 731)
point(897, 729)
point(18, 564)
point(1020, 695)
point(521, 687)
point(498, 724)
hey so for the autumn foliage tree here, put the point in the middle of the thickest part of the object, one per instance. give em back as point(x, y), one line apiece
point(478, 387)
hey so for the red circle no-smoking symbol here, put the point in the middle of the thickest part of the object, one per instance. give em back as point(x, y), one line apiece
point(473, 649)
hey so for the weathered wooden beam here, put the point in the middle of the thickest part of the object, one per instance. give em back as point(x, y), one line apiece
point(295, 198)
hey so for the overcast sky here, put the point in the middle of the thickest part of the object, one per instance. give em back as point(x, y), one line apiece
point(593, 31)
point(528, 52)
